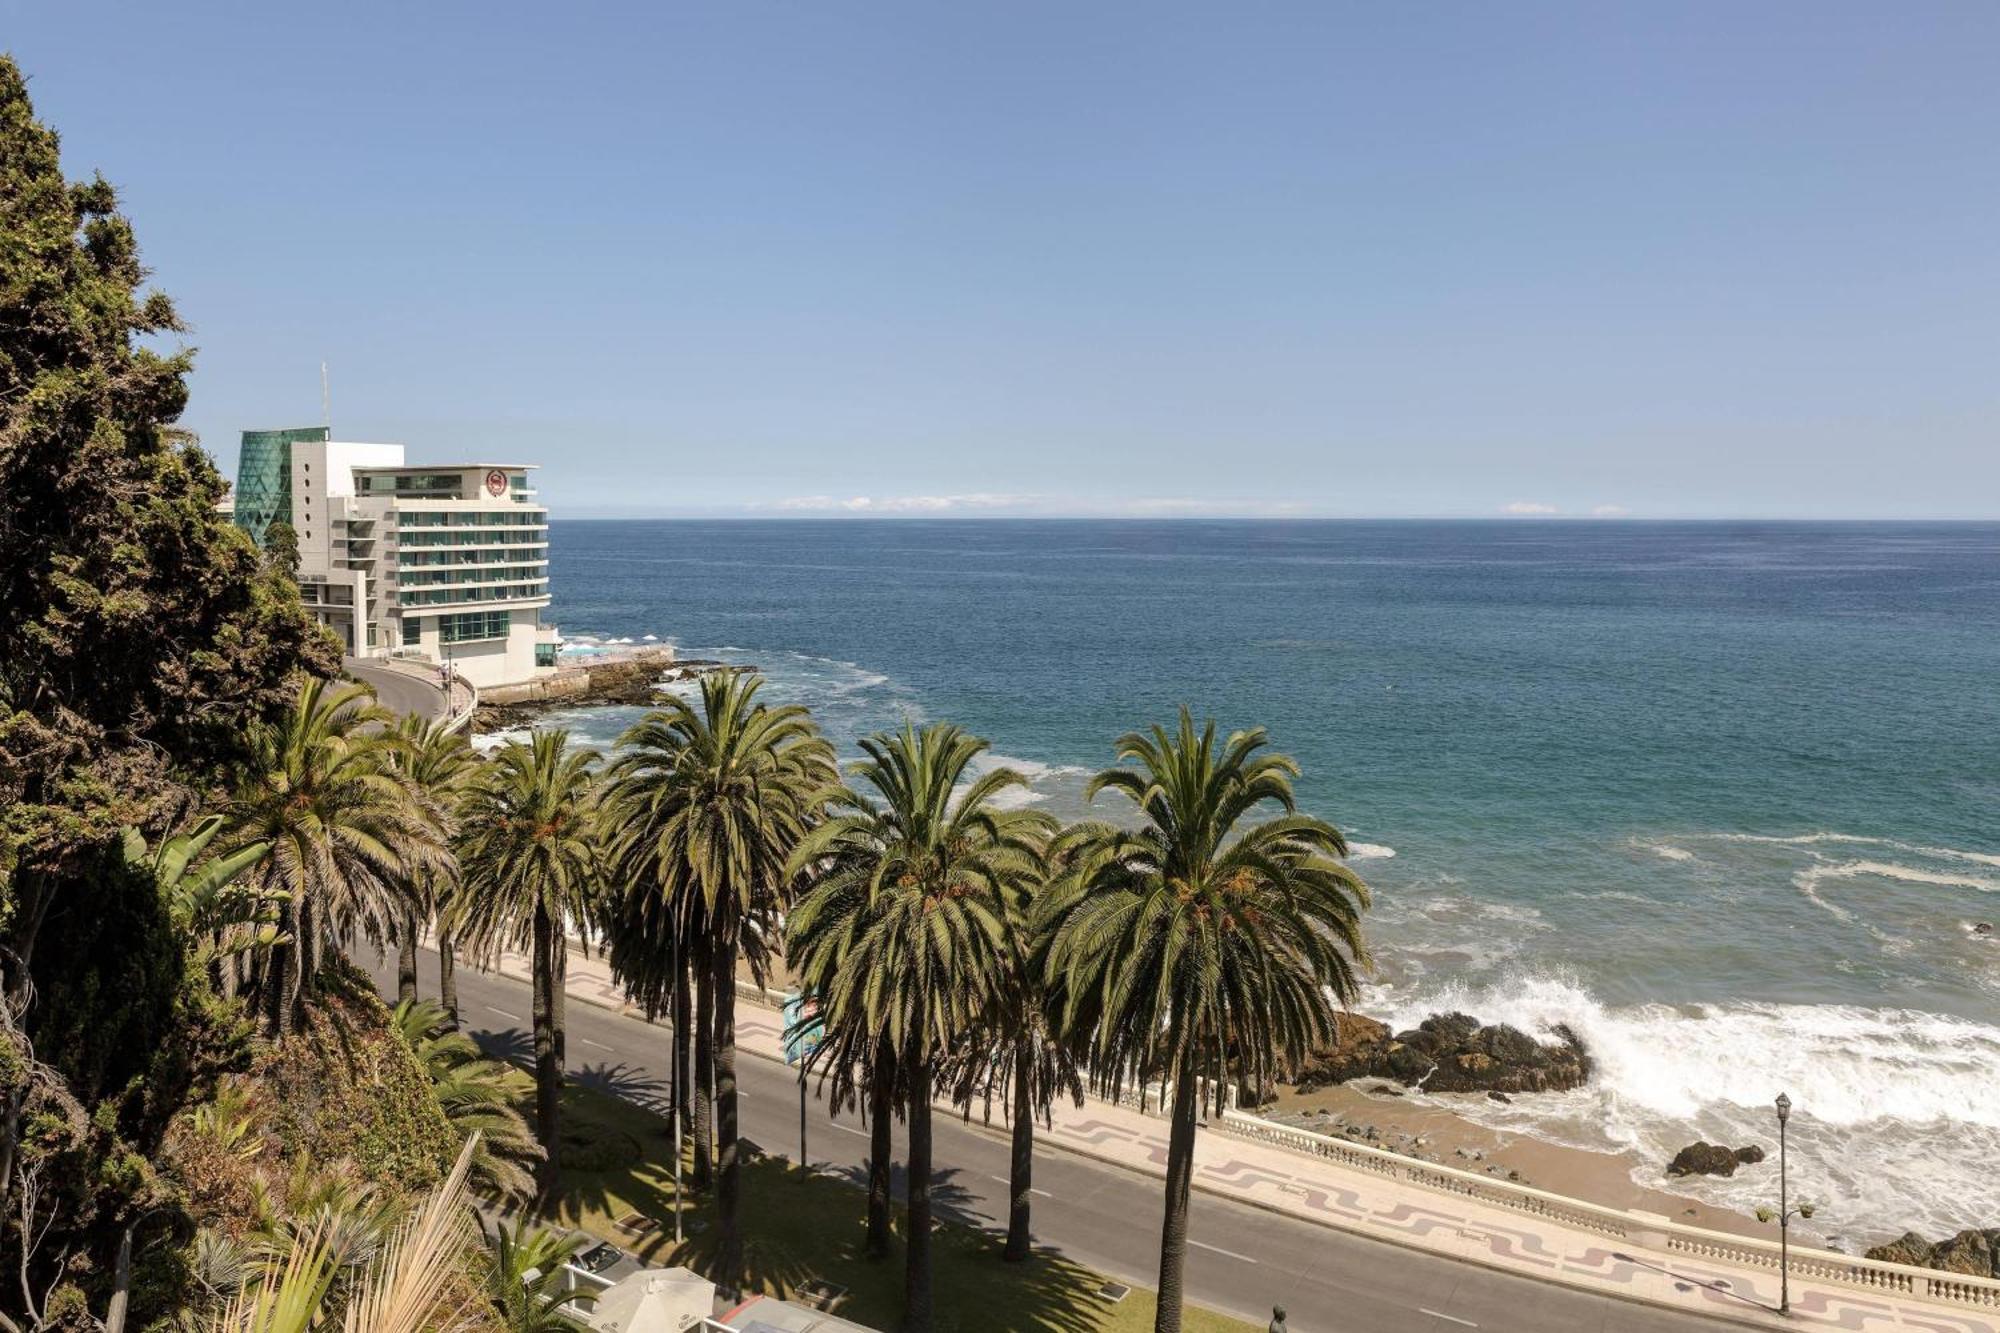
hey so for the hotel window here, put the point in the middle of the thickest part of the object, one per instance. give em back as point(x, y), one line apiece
point(472, 625)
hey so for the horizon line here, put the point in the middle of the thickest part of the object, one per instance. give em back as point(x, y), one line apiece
point(588, 513)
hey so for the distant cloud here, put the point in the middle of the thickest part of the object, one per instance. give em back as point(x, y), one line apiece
point(898, 504)
point(1609, 511)
point(1047, 506)
point(1530, 509)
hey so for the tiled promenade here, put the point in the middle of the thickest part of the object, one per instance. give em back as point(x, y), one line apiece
point(1332, 1194)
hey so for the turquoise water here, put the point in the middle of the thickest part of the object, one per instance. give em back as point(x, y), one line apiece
point(1726, 797)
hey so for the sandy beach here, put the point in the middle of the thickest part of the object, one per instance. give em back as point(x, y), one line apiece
point(1429, 1127)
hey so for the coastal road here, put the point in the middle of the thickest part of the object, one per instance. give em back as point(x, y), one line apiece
point(400, 689)
point(1241, 1260)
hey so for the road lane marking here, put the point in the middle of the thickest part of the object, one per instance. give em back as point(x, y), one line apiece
point(1219, 1250)
point(1448, 1318)
point(598, 1044)
point(1032, 1190)
point(503, 1013)
point(848, 1129)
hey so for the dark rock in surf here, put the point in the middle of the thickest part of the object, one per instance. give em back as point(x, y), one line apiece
point(1708, 1159)
point(1450, 1053)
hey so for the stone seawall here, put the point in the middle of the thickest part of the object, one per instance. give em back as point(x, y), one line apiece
point(569, 684)
point(629, 679)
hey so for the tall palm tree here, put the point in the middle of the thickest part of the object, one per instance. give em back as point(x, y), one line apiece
point(1205, 937)
point(530, 862)
point(710, 801)
point(344, 830)
point(439, 765)
point(904, 934)
point(1014, 1052)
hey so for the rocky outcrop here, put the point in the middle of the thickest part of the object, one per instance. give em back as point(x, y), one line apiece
point(1976, 1253)
point(1712, 1159)
point(1449, 1053)
point(633, 680)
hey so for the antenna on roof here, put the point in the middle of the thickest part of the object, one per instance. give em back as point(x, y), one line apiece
point(325, 400)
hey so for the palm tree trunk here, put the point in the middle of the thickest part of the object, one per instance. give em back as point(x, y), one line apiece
point(917, 1273)
point(683, 1042)
point(406, 957)
point(304, 965)
point(448, 978)
point(278, 970)
point(558, 994)
point(547, 1089)
point(1022, 1170)
point(729, 1257)
point(704, 1077)
point(1174, 1226)
point(881, 1148)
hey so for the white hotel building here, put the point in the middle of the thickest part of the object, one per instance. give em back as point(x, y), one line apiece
point(447, 562)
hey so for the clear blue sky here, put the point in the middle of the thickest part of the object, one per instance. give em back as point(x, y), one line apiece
point(1678, 259)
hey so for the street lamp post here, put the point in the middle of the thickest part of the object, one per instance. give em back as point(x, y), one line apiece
point(1784, 1213)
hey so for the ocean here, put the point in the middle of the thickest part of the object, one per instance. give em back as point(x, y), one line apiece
point(1722, 797)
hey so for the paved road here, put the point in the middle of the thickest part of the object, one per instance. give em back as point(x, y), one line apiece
point(1242, 1260)
point(400, 691)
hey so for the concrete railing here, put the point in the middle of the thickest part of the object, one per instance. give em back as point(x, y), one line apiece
point(1642, 1230)
point(458, 718)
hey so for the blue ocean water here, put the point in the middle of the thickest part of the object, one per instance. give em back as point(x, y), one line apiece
point(1725, 797)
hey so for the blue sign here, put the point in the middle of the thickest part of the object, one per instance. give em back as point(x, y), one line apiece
point(804, 1028)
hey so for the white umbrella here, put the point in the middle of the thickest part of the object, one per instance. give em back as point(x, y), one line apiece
point(652, 638)
point(657, 1300)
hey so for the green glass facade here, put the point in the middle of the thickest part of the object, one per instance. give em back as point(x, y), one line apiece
point(264, 476)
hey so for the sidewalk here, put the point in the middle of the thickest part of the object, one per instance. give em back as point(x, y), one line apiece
point(1366, 1203)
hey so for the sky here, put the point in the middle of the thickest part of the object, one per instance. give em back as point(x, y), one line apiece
point(1659, 260)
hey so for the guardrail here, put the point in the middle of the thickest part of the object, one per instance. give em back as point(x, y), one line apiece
point(1644, 1230)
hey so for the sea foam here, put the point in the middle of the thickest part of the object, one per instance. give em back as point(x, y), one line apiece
point(1896, 1125)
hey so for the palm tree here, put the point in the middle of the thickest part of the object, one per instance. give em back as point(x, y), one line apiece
point(221, 917)
point(1201, 938)
point(439, 765)
point(1014, 1051)
point(529, 861)
point(904, 935)
point(472, 1090)
point(524, 1280)
point(344, 830)
point(710, 802)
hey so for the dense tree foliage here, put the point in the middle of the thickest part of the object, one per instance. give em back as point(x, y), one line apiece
point(141, 636)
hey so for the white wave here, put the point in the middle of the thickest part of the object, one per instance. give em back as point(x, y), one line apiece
point(1858, 840)
point(1668, 852)
point(1807, 881)
point(1031, 769)
point(1368, 851)
point(1895, 1126)
point(1891, 870)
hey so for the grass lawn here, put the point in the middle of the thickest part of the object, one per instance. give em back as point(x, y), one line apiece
point(800, 1228)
